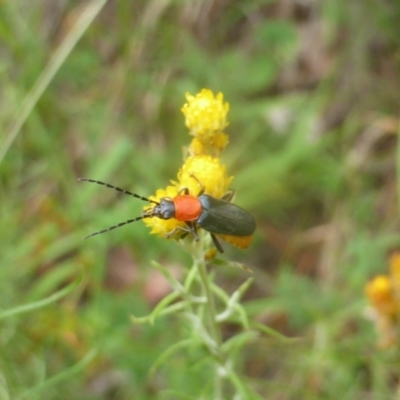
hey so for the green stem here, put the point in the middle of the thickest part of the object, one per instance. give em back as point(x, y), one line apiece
point(212, 313)
point(210, 316)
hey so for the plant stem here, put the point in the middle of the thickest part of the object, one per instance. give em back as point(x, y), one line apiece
point(211, 312)
point(210, 322)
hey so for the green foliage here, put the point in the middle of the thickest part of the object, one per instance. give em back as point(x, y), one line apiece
point(95, 89)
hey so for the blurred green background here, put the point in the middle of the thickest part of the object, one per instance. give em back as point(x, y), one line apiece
point(94, 89)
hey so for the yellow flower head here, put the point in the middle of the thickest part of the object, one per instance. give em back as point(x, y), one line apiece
point(380, 293)
point(205, 114)
point(196, 173)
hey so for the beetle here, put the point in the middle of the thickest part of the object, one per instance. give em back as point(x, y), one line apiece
point(219, 217)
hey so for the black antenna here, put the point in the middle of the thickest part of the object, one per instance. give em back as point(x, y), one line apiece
point(129, 221)
point(118, 189)
point(146, 214)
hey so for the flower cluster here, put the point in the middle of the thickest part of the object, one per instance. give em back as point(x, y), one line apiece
point(205, 117)
point(383, 293)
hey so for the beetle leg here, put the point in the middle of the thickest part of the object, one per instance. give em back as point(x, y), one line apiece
point(217, 244)
point(178, 228)
point(190, 228)
point(184, 190)
point(228, 196)
point(202, 188)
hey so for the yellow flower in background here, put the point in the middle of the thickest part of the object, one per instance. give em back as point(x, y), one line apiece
point(205, 114)
point(383, 293)
point(380, 294)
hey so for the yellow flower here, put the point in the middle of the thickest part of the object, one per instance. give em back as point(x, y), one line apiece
point(380, 293)
point(196, 147)
point(213, 146)
point(205, 114)
point(196, 173)
point(219, 141)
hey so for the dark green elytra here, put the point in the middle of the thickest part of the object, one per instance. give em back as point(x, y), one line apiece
point(221, 217)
